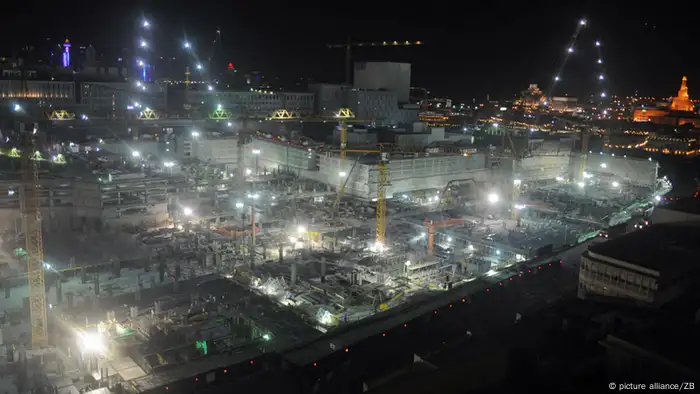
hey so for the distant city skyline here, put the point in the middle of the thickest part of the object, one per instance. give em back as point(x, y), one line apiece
point(464, 57)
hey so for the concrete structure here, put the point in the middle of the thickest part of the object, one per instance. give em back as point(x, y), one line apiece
point(378, 105)
point(59, 91)
point(394, 77)
point(259, 104)
point(650, 266)
point(219, 151)
point(685, 210)
point(637, 172)
point(112, 99)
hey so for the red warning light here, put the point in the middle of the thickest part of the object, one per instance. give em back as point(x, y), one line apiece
point(488, 290)
point(230, 66)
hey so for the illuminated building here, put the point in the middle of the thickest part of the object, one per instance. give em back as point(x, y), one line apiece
point(532, 97)
point(680, 112)
point(65, 57)
point(682, 101)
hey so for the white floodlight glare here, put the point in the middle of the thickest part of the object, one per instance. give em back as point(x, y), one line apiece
point(342, 174)
point(135, 153)
point(186, 44)
point(256, 151)
point(581, 184)
point(615, 184)
point(603, 165)
point(248, 171)
point(239, 205)
point(91, 342)
point(301, 229)
point(492, 198)
point(187, 211)
point(657, 198)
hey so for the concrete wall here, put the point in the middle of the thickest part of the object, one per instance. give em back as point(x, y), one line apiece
point(542, 168)
point(665, 215)
point(282, 156)
point(394, 77)
point(636, 171)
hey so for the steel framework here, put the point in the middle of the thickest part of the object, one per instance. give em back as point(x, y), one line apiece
point(35, 246)
point(61, 114)
point(148, 114)
point(220, 114)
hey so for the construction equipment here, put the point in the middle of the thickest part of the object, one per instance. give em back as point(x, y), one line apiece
point(34, 242)
point(347, 46)
point(432, 225)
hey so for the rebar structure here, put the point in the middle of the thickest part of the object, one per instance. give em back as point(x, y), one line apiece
point(34, 242)
point(381, 197)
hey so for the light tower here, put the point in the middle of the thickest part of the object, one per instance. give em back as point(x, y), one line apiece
point(65, 56)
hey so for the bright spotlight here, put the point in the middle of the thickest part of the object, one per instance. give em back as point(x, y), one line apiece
point(602, 94)
point(342, 174)
point(603, 165)
point(17, 108)
point(615, 184)
point(168, 164)
point(135, 153)
point(195, 133)
point(493, 198)
point(199, 66)
point(239, 205)
point(597, 43)
point(256, 151)
point(248, 171)
point(581, 184)
point(229, 124)
point(143, 44)
point(301, 229)
point(186, 44)
point(141, 63)
point(571, 49)
point(657, 198)
point(92, 342)
point(146, 24)
point(582, 22)
point(210, 88)
point(187, 211)
point(495, 125)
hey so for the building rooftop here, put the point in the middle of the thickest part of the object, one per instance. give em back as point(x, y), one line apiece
point(669, 248)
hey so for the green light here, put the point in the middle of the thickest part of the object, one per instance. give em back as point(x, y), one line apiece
point(202, 345)
point(267, 337)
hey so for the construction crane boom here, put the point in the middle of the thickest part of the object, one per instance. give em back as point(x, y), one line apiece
point(34, 242)
point(348, 55)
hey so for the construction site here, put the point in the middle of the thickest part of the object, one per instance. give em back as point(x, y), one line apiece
point(127, 271)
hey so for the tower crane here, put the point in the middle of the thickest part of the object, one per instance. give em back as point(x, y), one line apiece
point(34, 242)
point(349, 45)
point(343, 116)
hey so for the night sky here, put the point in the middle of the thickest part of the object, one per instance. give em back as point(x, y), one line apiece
point(471, 48)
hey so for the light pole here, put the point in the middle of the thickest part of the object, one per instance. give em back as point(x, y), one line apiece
point(253, 197)
point(256, 153)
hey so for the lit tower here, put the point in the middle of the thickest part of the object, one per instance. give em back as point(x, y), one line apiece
point(65, 56)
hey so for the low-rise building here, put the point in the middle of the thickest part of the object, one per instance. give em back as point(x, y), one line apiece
point(650, 266)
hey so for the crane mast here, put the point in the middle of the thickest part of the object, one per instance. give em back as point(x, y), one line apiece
point(34, 242)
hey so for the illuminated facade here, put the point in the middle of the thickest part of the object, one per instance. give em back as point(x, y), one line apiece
point(682, 101)
point(65, 56)
point(532, 97)
point(57, 90)
point(679, 114)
